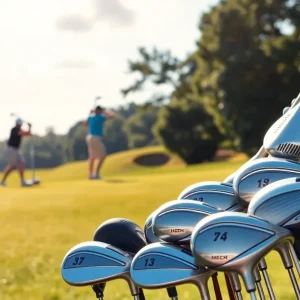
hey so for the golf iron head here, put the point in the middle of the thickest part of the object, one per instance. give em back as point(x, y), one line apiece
point(257, 174)
point(279, 203)
point(213, 193)
point(218, 243)
point(90, 263)
point(161, 265)
point(174, 221)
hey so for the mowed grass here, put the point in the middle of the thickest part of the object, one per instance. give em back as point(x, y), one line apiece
point(39, 225)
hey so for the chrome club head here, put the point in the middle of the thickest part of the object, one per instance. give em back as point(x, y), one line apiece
point(90, 263)
point(162, 265)
point(282, 139)
point(151, 238)
point(174, 221)
point(213, 193)
point(279, 203)
point(218, 242)
point(257, 174)
point(148, 230)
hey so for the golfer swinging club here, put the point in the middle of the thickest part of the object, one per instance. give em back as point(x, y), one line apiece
point(96, 147)
point(14, 157)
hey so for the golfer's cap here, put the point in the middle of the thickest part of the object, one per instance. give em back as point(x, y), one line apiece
point(19, 121)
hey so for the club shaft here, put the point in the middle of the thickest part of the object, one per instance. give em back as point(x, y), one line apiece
point(263, 268)
point(252, 295)
point(295, 258)
point(260, 291)
point(239, 296)
point(217, 287)
point(229, 288)
point(294, 282)
point(235, 283)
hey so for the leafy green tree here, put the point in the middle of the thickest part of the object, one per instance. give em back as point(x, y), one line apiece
point(139, 127)
point(188, 130)
point(115, 137)
point(158, 68)
point(248, 65)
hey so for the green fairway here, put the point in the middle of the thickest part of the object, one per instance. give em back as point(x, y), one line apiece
point(39, 225)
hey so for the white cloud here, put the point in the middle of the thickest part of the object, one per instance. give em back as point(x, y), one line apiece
point(75, 23)
point(114, 11)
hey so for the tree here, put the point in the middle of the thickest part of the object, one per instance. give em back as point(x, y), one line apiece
point(76, 144)
point(188, 130)
point(248, 67)
point(159, 68)
point(139, 127)
point(115, 137)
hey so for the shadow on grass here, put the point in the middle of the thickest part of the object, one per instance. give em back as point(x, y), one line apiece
point(119, 180)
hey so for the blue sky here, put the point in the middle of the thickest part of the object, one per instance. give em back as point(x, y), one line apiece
point(57, 55)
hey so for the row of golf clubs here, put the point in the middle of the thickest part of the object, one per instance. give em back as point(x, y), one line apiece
point(92, 263)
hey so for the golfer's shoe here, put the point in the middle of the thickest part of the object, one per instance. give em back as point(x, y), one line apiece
point(3, 184)
point(95, 176)
point(26, 183)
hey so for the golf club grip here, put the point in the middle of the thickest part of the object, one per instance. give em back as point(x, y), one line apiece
point(229, 288)
point(141, 294)
point(216, 287)
point(172, 292)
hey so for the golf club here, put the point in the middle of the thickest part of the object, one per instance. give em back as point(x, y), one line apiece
point(174, 222)
point(256, 175)
point(161, 265)
point(257, 279)
point(151, 238)
point(90, 263)
point(279, 203)
point(97, 100)
point(123, 234)
point(213, 193)
point(225, 249)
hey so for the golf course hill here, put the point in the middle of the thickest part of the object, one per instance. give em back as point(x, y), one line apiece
point(137, 161)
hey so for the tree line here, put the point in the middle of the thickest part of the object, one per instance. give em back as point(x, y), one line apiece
point(245, 69)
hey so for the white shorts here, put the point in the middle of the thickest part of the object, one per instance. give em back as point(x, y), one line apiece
point(14, 157)
point(96, 147)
